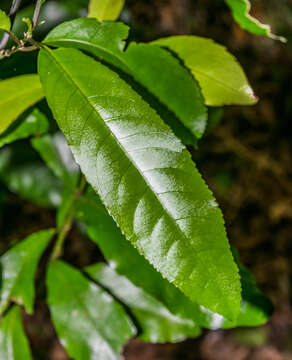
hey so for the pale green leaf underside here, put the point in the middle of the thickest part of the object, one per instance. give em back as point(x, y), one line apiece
point(89, 322)
point(157, 324)
point(13, 342)
point(34, 124)
point(153, 67)
point(241, 13)
point(255, 308)
point(144, 176)
point(220, 76)
point(16, 95)
point(18, 266)
point(105, 9)
point(4, 21)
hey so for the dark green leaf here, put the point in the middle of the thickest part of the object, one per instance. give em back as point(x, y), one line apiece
point(154, 68)
point(105, 9)
point(240, 11)
point(18, 267)
point(57, 155)
point(221, 78)
point(156, 322)
point(34, 124)
point(89, 322)
point(13, 342)
point(145, 177)
point(24, 174)
point(16, 95)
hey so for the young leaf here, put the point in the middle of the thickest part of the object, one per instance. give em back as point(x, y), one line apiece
point(105, 9)
point(154, 68)
point(145, 177)
point(156, 322)
point(24, 174)
point(34, 124)
point(18, 266)
point(89, 322)
point(221, 78)
point(16, 95)
point(240, 11)
point(4, 21)
point(57, 155)
point(13, 342)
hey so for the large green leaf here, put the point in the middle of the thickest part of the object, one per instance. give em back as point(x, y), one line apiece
point(145, 177)
point(241, 13)
point(13, 342)
point(89, 322)
point(18, 266)
point(4, 21)
point(16, 95)
point(105, 9)
point(154, 68)
point(255, 307)
point(221, 78)
point(25, 174)
point(34, 124)
point(156, 322)
point(57, 155)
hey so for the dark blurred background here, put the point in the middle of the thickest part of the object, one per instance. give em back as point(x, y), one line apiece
point(245, 158)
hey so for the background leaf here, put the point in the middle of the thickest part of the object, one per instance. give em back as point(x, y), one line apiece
point(156, 322)
point(4, 21)
point(16, 95)
point(34, 124)
point(55, 152)
point(89, 322)
point(18, 266)
point(145, 177)
point(105, 9)
point(26, 175)
point(221, 78)
point(240, 11)
point(13, 342)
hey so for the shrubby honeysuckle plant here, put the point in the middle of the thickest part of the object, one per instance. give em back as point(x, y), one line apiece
point(119, 165)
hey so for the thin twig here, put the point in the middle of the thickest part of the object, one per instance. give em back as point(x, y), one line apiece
point(13, 10)
point(36, 13)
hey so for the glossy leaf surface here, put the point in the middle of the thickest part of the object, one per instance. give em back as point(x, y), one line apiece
point(153, 67)
point(24, 174)
point(34, 124)
point(13, 342)
point(89, 322)
point(241, 13)
point(4, 21)
point(57, 155)
point(145, 177)
point(123, 258)
point(105, 9)
point(18, 267)
point(156, 322)
point(16, 95)
point(221, 78)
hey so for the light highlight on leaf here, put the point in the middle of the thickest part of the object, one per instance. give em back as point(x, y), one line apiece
point(105, 9)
